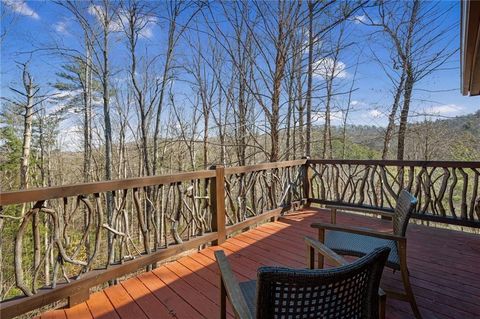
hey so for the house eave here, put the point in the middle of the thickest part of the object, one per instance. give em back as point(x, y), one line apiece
point(470, 48)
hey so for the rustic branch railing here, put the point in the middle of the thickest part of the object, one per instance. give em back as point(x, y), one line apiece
point(250, 192)
point(447, 192)
point(65, 242)
point(59, 242)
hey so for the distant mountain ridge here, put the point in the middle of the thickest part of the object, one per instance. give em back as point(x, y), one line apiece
point(456, 138)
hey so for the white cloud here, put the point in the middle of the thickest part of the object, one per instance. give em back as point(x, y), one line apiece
point(65, 94)
point(446, 109)
point(375, 113)
point(97, 11)
point(357, 103)
point(360, 19)
point(147, 32)
point(336, 117)
point(117, 23)
point(327, 66)
point(61, 27)
point(21, 7)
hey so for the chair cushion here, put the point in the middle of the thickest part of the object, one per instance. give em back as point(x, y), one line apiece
point(344, 243)
point(249, 290)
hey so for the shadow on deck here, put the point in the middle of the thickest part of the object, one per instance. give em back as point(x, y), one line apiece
point(443, 266)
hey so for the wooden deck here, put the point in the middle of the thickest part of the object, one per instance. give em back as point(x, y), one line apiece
point(444, 267)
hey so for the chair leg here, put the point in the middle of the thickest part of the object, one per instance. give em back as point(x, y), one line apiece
point(310, 258)
point(382, 305)
point(223, 300)
point(321, 238)
point(409, 291)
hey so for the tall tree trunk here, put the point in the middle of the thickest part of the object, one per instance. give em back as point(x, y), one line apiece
point(347, 111)
point(87, 101)
point(288, 150)
point(206, 118)
point(30, 92)
point(166, 71)
point(301, 109)
point(242, 121)
point(106, 100)
point(106, 115)
point(327, 133)
point(27, 128)
point(402, 129)
point(391, 117)
point(87, 128)
point(310, 78)
point(291, 87)
point(274, 117)
point(409, 81)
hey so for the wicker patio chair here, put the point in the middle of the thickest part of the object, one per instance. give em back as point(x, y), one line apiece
point(348, 291)
point(355, 241)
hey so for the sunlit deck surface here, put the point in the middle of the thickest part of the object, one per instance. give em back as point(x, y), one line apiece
point(444, 267)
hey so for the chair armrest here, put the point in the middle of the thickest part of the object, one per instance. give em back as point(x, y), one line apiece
point(234, 293)
point(332, 256)
point(368, 210)
point(358, 230)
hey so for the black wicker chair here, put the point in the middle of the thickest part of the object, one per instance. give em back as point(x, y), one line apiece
point(348, 291)
point(354, 241)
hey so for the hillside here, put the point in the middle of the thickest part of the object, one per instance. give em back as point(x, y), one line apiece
point(456, 138)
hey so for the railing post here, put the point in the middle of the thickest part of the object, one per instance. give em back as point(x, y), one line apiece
point(217, 203)
point(79, 297)
point(306, 181)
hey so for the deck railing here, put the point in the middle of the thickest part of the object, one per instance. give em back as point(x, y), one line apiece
point(65, 242)
point(447, 192)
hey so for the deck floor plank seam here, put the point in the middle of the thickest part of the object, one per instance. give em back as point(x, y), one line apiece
point(101, 307)
point(176, 306)
point(198, 283)
point(123, 303)
point(199, 302)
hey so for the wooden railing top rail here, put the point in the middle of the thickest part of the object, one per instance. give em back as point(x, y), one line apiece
point(456, 164)
point(37, 194)
point(263, 166)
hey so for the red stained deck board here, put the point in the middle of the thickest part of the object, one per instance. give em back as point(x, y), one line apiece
point(174, 303)
point(246, 268)
point(150, 305)
point(100, 306)
point(205, 272)
point(443, 266)
point(197, 282)
point(203, 305)
point(123, 303)
point(56, 314)
point(79, 311)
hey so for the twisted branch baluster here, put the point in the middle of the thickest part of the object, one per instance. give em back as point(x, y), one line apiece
point(475, 202)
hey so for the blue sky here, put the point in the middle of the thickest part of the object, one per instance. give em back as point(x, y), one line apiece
point(40, 24)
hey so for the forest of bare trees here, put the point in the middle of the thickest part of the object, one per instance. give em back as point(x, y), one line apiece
point(228, 82)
